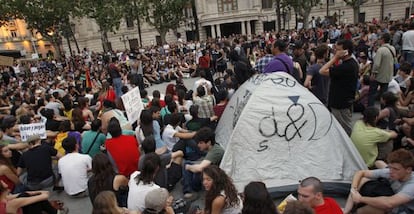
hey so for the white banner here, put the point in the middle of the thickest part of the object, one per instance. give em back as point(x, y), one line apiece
point(133, 104)
point(27, 130)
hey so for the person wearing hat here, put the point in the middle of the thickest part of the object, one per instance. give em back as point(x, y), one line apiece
point(38, 163)
point(158, 201)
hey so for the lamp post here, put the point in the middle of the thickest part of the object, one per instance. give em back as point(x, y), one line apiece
point(33, 40)
point(124, 40)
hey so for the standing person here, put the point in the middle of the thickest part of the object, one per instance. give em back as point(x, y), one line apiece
point(400, 177)
point(257, 199)
point(382, 69)
point(343, 84)
point(262, 62)
point(318, 84)
point(115, 73)
point(74, 168)
point(204, 64)
point(408, 45)
point(310, 192)
point(221, 194)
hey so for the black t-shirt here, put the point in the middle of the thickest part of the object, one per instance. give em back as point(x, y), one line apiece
point(52, 125)
point(38, 162)
point(343, 84)
point(114, 71)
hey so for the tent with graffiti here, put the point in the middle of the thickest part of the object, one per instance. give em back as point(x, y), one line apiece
point(276, 131)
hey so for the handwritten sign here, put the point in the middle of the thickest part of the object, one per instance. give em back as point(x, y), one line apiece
point(27, 130)
point(5, 60)
point(133, 104)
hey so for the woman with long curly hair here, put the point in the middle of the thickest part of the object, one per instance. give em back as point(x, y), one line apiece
point(105, 178)
point(105, 203)
point(257, 199)
point(8, 173)
point(79, 123)
point(221, 194)
point(149, 126)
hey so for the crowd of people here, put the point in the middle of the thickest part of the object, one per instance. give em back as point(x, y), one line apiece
point(91, 149)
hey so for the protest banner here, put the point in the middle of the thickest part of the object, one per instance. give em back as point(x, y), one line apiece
point(133, 104)
point(5, 60)
point(27, 130)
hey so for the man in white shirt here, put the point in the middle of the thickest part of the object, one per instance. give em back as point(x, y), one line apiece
point(408, 44)
point(204, 82)
point(74, 169)
point(173, 132)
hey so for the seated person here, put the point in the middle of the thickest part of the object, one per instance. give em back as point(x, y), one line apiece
point(205, 139)
point(310, 192)
point(197, 123)
point(399, 174)
point(366, 136)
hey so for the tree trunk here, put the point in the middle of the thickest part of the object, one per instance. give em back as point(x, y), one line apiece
point(163, 35)
point(104, 39)
point(306, 19)
point(356, 15)
point(278, 16)
point(69, 45)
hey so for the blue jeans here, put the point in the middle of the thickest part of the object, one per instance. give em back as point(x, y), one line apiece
point(409, 57)
point(191, 181)
point(117, 86)
point(372, 94)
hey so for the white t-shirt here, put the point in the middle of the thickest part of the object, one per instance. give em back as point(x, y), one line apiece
point(55, 106)
point(137, 193)
point(168, 136)
point(394, 87)
point(207, 85)
point(74, 170)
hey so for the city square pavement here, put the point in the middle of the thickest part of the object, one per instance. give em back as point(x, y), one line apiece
point(83, 205)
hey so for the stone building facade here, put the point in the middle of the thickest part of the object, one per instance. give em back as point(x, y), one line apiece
point(215, 18)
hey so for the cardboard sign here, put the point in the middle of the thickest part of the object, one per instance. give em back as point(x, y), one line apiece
point(133, 104)
point(5, 60)
point(27, 130)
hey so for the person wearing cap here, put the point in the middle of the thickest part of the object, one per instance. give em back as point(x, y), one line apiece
point(158, 201)
point(382, 69)
point(38, 163)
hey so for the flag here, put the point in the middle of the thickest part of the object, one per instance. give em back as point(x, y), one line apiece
point(88, 79)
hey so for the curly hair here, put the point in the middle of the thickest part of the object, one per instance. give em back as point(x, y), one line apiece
point(102, 169)
point(221, 182)
point(105, 203)
point(257, 199)
point(4, 160)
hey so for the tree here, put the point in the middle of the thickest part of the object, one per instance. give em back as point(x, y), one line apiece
point(163, 15)
point(303, 8)
point(106, 13)
point(356, 5)
point(42, 16)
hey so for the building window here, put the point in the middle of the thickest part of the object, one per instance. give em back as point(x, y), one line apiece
point(267, 4)
point(226, 5)
point(129, 22)
point(13, 33)
point(331, 1)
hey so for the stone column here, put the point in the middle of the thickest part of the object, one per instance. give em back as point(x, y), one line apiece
point(249, 28)
point(259, 27)
point(213, 31)
point(218, 30)
point(243, 28)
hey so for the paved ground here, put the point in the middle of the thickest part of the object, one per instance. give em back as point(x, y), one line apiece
point(83, 205)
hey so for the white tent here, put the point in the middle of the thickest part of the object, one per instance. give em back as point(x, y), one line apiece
point(276, 131)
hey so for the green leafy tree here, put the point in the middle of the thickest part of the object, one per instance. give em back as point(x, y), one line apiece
point(356, 5)
point(41, 16)
point(303, 8)
point(107, 14)
point(163, 15)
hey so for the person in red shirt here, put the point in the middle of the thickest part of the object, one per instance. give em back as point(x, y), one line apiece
point(310, 192)
point(123, 149)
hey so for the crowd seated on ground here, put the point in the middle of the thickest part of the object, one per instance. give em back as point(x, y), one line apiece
point(173, 139)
